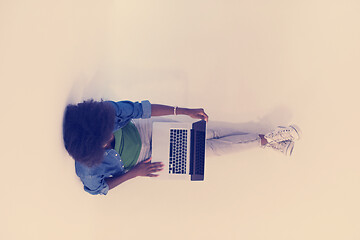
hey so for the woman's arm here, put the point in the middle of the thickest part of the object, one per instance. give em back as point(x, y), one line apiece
point(145, 168)
point(162, 110)
point(115, 181)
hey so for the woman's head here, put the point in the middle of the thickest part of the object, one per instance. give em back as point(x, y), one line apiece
point(87, 126)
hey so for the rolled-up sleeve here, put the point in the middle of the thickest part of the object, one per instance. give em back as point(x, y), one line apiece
point(146, 106)
point(95, 184)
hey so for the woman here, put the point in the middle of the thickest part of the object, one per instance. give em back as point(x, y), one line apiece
point(111, 141)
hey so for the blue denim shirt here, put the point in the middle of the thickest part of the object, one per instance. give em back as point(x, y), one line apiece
point(93, 178)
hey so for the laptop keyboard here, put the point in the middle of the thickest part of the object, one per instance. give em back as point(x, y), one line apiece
point(178, 151)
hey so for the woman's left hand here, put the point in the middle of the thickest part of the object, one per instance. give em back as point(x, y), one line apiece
point(198, 113)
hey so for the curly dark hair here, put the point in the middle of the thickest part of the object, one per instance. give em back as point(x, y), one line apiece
point(86, 127)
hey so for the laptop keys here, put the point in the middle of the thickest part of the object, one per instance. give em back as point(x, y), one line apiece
point(178, 151)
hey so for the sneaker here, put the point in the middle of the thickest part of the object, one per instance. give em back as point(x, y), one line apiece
point(280, 134)
point(285, 147)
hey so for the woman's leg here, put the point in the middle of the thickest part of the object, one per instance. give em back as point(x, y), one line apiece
point(222, 139)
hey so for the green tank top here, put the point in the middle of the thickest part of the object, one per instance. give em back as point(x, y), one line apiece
point(128, 144)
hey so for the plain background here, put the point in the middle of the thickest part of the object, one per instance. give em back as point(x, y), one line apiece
point(258, 63)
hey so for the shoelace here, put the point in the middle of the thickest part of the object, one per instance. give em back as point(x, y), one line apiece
point(280, 132)
point(278, 146)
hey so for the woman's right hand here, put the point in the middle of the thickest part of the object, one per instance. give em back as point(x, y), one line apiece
point(147, 168)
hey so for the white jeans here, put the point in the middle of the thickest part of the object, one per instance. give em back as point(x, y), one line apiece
point(220, 138)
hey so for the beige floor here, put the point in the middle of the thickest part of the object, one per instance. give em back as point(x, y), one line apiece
point(259, 63)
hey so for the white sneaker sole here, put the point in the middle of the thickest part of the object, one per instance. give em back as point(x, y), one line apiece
point(290, 149)
point(297, 130)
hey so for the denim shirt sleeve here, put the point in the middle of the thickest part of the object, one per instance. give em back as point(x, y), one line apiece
point(127, 110)
point(95, 184)
point(93, 178)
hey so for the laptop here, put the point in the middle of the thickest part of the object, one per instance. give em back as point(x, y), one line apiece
point(181, 147)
